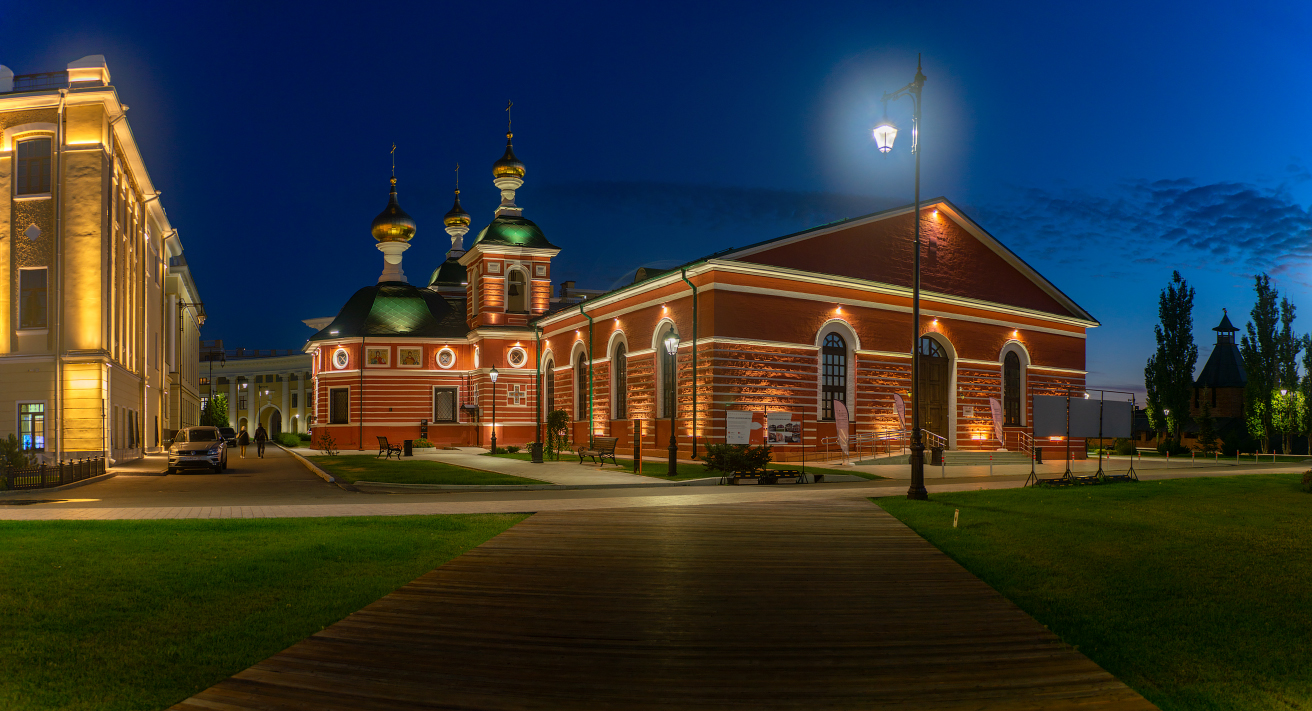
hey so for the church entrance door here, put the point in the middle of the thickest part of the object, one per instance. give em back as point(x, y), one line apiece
point(934, 384)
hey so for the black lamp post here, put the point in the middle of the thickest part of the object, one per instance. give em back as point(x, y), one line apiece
point(672, 348)
point(885, 132)
point(494, 375)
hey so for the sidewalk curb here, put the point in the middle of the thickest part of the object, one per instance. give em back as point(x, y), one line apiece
point(64, 487)
point(316, 470)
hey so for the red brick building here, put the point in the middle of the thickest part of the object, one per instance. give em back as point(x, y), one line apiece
point(767, 320)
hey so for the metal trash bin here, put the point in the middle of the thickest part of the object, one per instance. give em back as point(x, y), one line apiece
point(409, 448)
point(536, 449)
point(935, 456)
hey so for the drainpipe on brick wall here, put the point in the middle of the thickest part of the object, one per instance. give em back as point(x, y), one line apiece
point(591, 427)
point(694, 362)
point(537, 388)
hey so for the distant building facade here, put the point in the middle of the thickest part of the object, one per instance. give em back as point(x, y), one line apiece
point(795, 324)
point(99, 316)
point(272, 388)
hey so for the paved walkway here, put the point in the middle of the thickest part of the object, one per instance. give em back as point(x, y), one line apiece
point(566, 470)
point(311, 497)
point(779, 605)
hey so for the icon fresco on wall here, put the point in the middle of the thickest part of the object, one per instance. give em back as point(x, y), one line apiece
point(379, 356)
point(409, 357)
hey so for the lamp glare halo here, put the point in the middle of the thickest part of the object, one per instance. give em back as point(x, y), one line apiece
point(885, 133)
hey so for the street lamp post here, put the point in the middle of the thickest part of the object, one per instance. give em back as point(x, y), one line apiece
point(494, 375)
point(672, 348)
point(884, 134)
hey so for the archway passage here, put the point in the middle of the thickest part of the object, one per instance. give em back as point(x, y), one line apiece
point(934, 383)
point(275, 423)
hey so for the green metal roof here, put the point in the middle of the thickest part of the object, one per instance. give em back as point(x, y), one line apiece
point(516, 231)
point(450, 273)
point(395, 308)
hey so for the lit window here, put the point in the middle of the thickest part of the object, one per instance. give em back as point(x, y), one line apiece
point(833, 374)
point(32, 426)
point(444, 404)
point(33, 167)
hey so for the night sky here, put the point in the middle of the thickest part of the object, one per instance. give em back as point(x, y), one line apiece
point(1106, 145)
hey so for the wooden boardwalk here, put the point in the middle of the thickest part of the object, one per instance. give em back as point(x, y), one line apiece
point(828, 604)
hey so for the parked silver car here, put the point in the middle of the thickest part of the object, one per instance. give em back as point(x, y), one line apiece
point(197, 447)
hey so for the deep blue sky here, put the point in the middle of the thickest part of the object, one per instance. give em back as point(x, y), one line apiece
point(1106, 144)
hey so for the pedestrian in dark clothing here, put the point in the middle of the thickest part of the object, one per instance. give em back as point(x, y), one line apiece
point(261, 436)
point(243, 440)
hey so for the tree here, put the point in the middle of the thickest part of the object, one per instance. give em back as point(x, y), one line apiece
point(215, 412)
point(1288, 346)
point(1206, 424)
point(1258, 350)
point(1305, 388)
point(1169, 375)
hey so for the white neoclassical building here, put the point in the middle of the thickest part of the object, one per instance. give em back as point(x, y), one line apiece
point(273, 388)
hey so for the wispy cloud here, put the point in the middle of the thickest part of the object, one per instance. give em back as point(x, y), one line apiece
point(1231, 227)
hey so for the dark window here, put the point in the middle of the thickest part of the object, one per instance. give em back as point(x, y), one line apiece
point(294, 399)
point(339, 406)
point(32, 298)
point(241, 403)
point(833, 374)
point(930, 347)
point(33, 166)
point(1011, 390)
point(621, 389)
point(516, 292)
point(32, 426)
point(581, 387)
point(444, 404)
point(551, 386)
point(669, 366)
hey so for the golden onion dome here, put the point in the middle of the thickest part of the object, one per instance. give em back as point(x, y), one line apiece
point(393, 224)
point(457, 216)
point(508, 165)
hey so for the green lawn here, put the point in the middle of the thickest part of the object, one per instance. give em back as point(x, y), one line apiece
point(1195, 592)
point(351, 468)
point(656, 468)
point(142, 614)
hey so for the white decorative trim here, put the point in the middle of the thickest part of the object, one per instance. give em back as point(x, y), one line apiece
point(341, 359)
point(1059, 370)
point(437, 358)
point(885, 354)
point(9, 136)
point(510, 355)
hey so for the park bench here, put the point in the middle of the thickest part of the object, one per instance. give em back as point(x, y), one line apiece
point(770, 476)
point(600, 448)
point(388, 449)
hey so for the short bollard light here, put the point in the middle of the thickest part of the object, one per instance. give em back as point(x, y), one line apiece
point(955, 514)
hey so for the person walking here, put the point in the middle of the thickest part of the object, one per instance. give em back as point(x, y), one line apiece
point(261, 436)
point(243, 439)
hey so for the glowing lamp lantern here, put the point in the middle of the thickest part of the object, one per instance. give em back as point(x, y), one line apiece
point(493, 375)
point(672, 342)
point(671, 347)
point(885, 133)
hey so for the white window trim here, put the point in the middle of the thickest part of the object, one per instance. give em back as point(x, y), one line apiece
point(18, 422)
point(951, 349)
point(455, 405)
point(505, 287)
point(1014, 346)
point(658, 352)
point(845, 330)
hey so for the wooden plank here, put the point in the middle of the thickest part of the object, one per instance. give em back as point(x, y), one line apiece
point(788, 605)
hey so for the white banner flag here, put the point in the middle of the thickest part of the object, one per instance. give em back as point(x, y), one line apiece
point(996, 407)
point(840, 423)
point(901, 407)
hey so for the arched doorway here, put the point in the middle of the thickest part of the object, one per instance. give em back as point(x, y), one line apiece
point(241, 425)
point(275, 423)
point(934, 385)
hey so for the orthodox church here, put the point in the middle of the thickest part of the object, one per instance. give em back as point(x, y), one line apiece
point(790, 327)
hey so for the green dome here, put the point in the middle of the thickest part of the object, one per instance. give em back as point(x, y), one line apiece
point(451, 273)
point(515, 231)
point(394, 309)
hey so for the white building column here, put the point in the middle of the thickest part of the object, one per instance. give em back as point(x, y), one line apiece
point(283, 406)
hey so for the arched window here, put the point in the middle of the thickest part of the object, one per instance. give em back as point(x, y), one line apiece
point(833, 374)
point(581, 388)
point(551, 387)
point(669, 367)
point(1011, 390)
point(619, 366)
point(516, 292)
